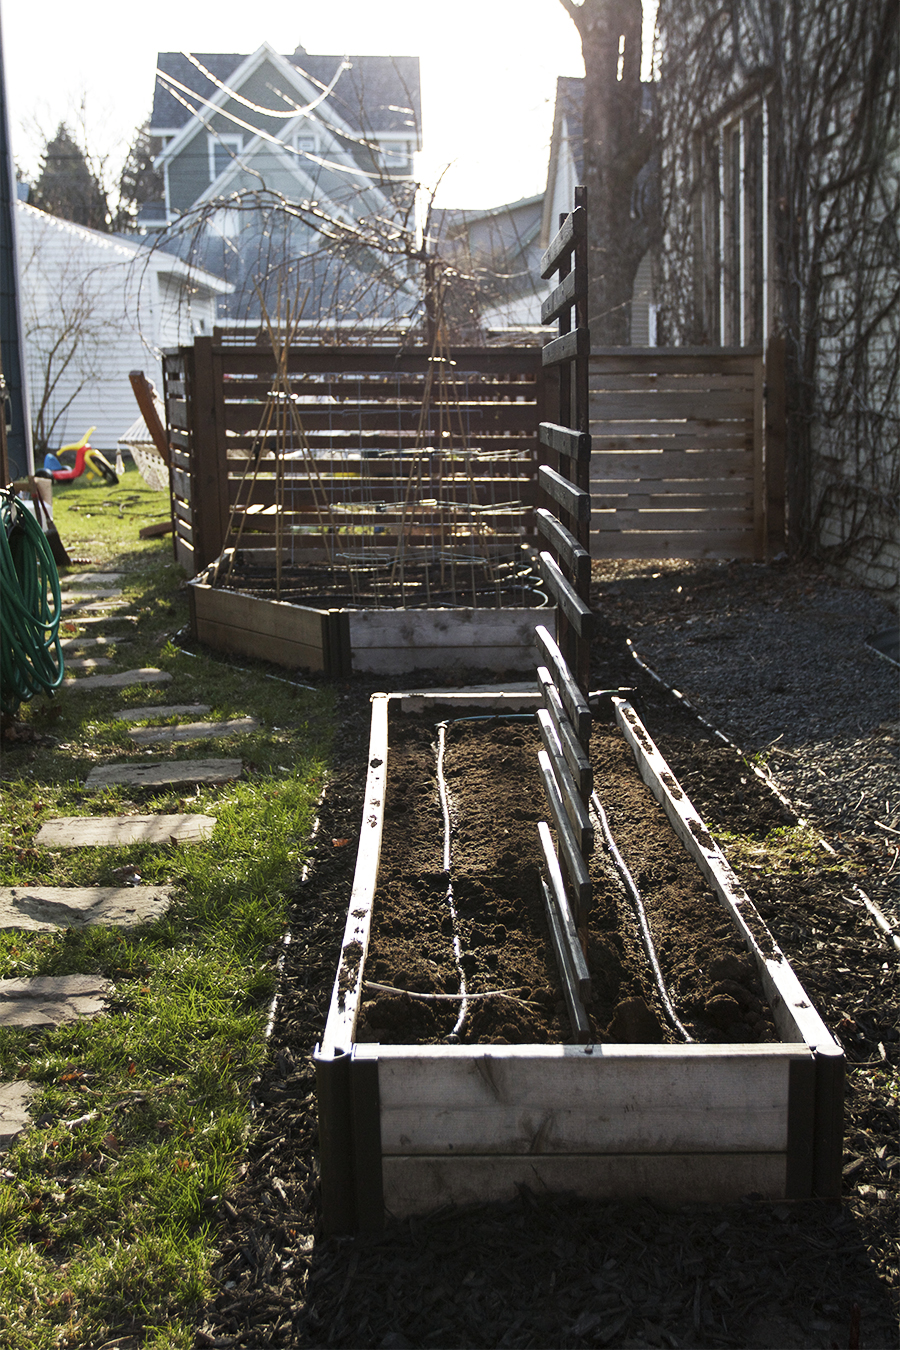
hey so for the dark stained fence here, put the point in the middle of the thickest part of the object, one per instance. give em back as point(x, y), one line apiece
point(368, 448)
point(687, 458)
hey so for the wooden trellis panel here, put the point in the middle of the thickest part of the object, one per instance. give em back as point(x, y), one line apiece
point(678, 453)
point(360, 410)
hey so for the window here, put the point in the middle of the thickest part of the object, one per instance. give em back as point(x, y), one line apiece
point(223, 147)
point(731, 230)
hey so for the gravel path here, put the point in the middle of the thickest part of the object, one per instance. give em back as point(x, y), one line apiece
point(776, 658)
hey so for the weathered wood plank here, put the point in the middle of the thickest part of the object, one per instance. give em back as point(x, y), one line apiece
point(577, 760)
point(569, 849)
point(269, 618)
point(641, 380)
point(344, 1008)
point(567, 1100)
point(575, 702)
point(670, 437)
point(566, 348)
point(574, 805)
point(646, 544)
point(575, 557)
point(579, 615)
point(571, 498)
point(565, 441)
point(561, 298)
point(281, 651)
point(711, 519)
point(574, 959)
point(415, 1186)
point(714, 405)
point(573, 228)
point(385, 641)
point(578, 1018)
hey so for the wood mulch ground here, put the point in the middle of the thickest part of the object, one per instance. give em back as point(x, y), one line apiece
point(550, 1271)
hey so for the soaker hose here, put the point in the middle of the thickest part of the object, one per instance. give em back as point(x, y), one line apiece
point(457, 949)
point(31, 660)
point(637, 903)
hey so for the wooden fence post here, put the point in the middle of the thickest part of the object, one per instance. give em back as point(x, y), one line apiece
point(775, 447)
point(209, 466)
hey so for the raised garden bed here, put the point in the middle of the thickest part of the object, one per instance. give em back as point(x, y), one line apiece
point(413, 626)
point(409, 1122)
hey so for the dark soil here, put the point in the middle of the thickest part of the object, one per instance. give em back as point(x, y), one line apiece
point(552, 1271)
point(496, 798)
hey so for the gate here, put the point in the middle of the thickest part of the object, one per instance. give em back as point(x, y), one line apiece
point(688, 455)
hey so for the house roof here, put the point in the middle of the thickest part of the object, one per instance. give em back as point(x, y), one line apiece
point(123, 249)
point(377, 94)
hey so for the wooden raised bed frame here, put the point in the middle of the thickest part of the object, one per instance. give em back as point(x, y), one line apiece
point(405, 1130)
point(342, 642)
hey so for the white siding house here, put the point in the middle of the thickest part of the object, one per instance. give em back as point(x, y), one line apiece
point(94, 307)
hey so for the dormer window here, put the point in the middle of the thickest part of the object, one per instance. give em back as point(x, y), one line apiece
point(306, 143)
point(223, 149)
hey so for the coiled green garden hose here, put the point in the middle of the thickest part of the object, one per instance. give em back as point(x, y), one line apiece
point(31, 659)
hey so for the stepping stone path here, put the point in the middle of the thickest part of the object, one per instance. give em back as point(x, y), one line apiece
point(73, 643)
point(173, 771)
point(173, 710)
point(92, 579)
point(45, 1001)
point(45, 909)
point(79, 620)
point(15, 1099)
point(72, 597)
point(116, 831)
point(48, 1000)
point(87, 662)
point(145, 675)
point(192, 731)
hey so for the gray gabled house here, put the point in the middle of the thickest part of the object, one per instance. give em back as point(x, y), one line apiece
point(298, 166)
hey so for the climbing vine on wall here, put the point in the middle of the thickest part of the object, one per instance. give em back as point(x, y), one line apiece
point(823, 75)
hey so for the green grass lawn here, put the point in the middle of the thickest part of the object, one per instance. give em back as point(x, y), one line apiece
point(107, 1204)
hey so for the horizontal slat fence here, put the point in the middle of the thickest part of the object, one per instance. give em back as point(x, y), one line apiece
point(361, 413)
point(687, 460)
point(678, 465)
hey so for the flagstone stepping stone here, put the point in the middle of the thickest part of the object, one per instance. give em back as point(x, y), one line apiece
point(164, 774)
point(15, 1099)
point(145, 675)
point(74, 643)
point(74, 597)
point(173, 710)
point(87, 619)
point(44, 909)
point(90, 606)
point(192, 731)
point(96, 831)
point(87, 662)
point(92, 579)
point(48, 1000)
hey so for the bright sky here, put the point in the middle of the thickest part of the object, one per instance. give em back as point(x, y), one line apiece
point(488, 70)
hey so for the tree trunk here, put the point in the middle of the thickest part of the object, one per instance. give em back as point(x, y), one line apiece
point(617, 148)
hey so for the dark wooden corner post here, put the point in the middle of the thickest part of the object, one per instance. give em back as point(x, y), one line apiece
point(209, 457)
point(774, 447)
point(566, 478)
